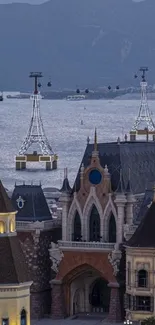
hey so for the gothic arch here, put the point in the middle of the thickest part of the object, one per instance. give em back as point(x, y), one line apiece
point(76, 235)
point(109, 210)
point(11, 226)
point(94, 225)
point(75, 207)
point(23, 317)
point(91, 201)
point(2, 227)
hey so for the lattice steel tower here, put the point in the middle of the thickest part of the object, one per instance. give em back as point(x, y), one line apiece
point(144, 116)
point(36, 134)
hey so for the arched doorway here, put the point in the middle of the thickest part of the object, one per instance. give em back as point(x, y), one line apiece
point(112, 229)
point(76, 236)
point(94, 225)
point(100, 296)
point(23, 317)
point(78, 301)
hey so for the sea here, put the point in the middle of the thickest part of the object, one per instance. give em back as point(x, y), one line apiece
point(65, 133)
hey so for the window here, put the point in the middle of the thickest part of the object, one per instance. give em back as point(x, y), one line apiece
point(142, 279)
point(5, 321)
point(23, 317)
point(94, 225)
point(143, 303)
point(77, 228)
point(129, 273)
point(112, 229)
point(2, 227)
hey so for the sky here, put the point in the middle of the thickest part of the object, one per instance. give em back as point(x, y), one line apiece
point(36, 1)
point(23, 1)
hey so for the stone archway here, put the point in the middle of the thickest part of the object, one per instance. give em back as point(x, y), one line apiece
point(100, 296)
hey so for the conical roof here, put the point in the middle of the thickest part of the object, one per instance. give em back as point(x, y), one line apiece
point(13, 268)
point(144, 235)
point(5, 203)
point(121, 187)
point(65, 186)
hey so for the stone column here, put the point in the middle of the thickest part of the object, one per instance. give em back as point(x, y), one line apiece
point(120, 202)
point(115, 304)
point(58, 307)
point(129, 208)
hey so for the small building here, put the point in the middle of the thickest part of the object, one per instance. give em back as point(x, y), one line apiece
point(14, 279)
point(140, 266)
point(36, 229)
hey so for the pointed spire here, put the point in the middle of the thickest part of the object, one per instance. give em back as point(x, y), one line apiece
point(95, 140)
point(65, 186)
point(120, 188)
point(153, 194)
point(128, 188)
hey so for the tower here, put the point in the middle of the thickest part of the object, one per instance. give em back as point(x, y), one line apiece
point(144, 117)
point(36, 134)
point(14, 279)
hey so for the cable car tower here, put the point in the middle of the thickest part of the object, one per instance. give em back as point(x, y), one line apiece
point(144, 116)
point(36, 134)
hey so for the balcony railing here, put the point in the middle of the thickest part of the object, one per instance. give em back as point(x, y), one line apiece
point(79, 245)
point(49, 224)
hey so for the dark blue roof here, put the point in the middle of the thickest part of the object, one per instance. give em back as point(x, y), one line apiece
point(144, 234)
point(35, 207)
point(147, 200)
point(138, 156)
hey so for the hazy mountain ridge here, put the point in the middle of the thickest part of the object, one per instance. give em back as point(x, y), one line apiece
point(85, 43)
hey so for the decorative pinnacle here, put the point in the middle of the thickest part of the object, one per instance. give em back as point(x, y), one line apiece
point(95, 140)
point(153, 193)
point(65, 173)
point(128, 188)
point(120, 188)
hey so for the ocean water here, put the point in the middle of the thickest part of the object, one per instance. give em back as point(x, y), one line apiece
point(62, 124)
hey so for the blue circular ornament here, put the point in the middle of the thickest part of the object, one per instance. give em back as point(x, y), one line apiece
point(95, 177)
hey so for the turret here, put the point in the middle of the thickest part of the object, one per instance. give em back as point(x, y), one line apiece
point(14, 279)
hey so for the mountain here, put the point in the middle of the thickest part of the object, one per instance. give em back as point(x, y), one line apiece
point(88, 43)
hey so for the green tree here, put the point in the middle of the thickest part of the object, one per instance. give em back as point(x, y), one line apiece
point(149, 321)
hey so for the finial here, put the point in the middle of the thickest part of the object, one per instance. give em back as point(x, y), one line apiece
point(65, 173)
point(88, 140)
point(126, 137)
point(118, 140)
point(31, 183)
point(82, 168)
point(106, 171)
point(95, 140)
point(23, 182)
point(154, 193)
point(128, 188)
point(120, 188)
point(40, 183)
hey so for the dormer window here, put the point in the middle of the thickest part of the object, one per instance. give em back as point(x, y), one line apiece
point(2, 227)
point(142, 278)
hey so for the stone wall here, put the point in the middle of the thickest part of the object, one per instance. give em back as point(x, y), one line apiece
point(36, 250)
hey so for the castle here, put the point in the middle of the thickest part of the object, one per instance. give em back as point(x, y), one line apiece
point(97, 256)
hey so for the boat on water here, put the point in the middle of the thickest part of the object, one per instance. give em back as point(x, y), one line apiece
point(1, 97)
point(76, 97)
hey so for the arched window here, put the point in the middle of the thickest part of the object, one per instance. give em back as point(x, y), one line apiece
point(77, 228)
point(112, 229)
point(142, 278)
point(94, 225)
point(100, 296)
point(12, 228)
point(23, 317)
point(2, 227)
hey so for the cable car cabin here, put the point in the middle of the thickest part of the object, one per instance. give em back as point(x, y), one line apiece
point(39, 84)
point(78, 91)
point(109, 87)
point(87, 91)
point(49, 84)
point(117, 87)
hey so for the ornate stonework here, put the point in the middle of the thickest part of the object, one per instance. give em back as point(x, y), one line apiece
point(56, 256)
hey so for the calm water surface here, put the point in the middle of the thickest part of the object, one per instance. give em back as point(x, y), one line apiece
point(62, 123)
